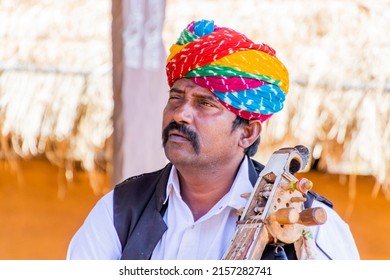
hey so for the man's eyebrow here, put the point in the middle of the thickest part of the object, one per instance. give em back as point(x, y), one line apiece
point(198, 95)
point(176, 90)
point(209, 97)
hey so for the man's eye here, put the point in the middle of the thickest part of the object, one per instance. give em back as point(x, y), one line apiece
point(206, 103)
point(173, 97)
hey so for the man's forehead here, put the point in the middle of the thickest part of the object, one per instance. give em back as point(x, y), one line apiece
point(186, 85)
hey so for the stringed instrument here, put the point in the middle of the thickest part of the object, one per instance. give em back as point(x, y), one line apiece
point(275, 212)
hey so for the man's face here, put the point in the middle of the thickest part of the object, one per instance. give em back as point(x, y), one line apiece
point(197, 129)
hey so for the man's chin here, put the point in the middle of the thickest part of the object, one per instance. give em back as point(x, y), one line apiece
point(179, 156)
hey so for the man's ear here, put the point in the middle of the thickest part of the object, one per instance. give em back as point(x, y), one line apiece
point(250, 132)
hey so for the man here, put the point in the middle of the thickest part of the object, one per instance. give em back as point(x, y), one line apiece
point(222, 87)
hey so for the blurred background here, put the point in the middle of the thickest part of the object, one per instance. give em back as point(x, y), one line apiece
point(82, 87)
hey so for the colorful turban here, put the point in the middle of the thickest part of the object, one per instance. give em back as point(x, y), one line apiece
point(247, 78)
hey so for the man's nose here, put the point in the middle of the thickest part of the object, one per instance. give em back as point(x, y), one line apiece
point(184, 112)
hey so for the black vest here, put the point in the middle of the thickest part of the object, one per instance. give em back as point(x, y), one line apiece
point(139, 208)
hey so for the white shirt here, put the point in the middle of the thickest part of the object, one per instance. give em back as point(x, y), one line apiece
point(209, 236)
point(206, 238)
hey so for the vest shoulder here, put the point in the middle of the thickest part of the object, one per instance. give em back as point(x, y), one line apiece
point(134, 195)
point(257, 165)
point(310, 196)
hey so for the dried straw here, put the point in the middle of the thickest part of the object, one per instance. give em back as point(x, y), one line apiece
point(55, 83)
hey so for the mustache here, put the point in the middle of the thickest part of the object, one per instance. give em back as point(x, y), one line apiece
point(183, 129)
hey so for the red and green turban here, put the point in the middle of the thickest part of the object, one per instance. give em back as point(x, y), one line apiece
point(247, 78)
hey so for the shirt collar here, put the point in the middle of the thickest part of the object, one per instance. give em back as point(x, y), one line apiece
point(173, 184)
point(240, 185)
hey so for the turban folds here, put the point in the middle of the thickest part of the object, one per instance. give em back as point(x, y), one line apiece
point(247, 78)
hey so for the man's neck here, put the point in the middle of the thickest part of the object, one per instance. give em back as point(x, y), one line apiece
point(202, 190)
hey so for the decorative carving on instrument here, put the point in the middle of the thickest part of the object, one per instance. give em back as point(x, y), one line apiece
point(275, 212)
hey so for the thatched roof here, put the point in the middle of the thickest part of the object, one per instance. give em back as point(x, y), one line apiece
point(55, 80)
point(337, 53)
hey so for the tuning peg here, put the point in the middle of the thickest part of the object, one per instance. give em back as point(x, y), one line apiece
point(268, 186)
point(245, 195)
point(285, 216)
point(297, 199)
point(264, 194)
point(304, 185)
point(312, 216)
point(258, 210)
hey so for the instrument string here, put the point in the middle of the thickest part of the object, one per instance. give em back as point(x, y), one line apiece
point(246, 237)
